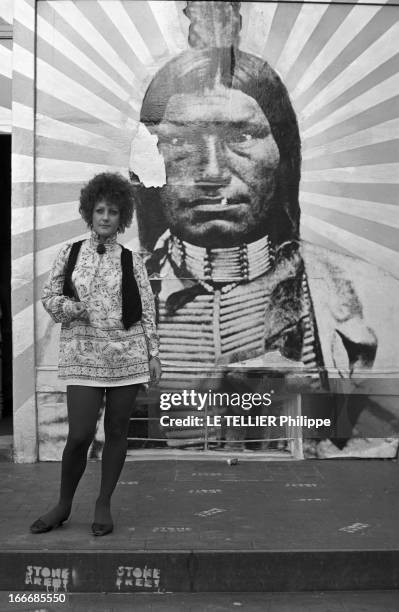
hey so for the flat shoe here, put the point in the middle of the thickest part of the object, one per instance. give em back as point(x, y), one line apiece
point(101, 529)
point(40, 526)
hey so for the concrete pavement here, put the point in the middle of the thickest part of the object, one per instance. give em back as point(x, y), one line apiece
point(208, 526)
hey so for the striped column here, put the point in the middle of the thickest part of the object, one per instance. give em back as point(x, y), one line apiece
point(23, 242)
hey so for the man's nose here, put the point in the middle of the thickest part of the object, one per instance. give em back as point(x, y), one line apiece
point(214, 169)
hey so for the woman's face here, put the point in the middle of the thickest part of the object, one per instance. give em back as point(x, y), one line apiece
point(221, 161)
point(106, 219)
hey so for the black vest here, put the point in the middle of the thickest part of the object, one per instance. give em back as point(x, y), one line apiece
point(131, 300)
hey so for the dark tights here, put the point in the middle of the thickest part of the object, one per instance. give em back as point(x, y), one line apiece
point(84, 405)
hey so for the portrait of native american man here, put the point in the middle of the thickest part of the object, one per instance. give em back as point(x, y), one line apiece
point(235, 284)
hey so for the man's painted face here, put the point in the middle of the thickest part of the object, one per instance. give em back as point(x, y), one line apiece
point(221, 160)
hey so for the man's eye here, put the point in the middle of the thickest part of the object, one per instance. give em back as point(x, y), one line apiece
point(247, 135)
point(241, 137)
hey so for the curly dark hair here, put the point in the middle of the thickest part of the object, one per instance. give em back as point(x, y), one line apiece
point(115, 189)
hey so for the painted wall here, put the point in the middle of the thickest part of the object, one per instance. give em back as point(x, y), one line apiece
point(95, 60)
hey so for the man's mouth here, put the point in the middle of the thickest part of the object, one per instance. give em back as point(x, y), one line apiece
point(218, 203)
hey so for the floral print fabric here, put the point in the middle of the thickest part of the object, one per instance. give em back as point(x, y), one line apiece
point(99, 351)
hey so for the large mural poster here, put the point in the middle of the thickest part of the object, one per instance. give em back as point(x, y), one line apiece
point(262, 140)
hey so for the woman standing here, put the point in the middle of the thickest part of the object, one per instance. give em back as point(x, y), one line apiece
point(100, 293)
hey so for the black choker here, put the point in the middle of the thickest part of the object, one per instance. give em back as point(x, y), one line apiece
point(101, 249)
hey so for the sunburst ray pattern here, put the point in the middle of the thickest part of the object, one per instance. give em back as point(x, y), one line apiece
point(5, 66)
